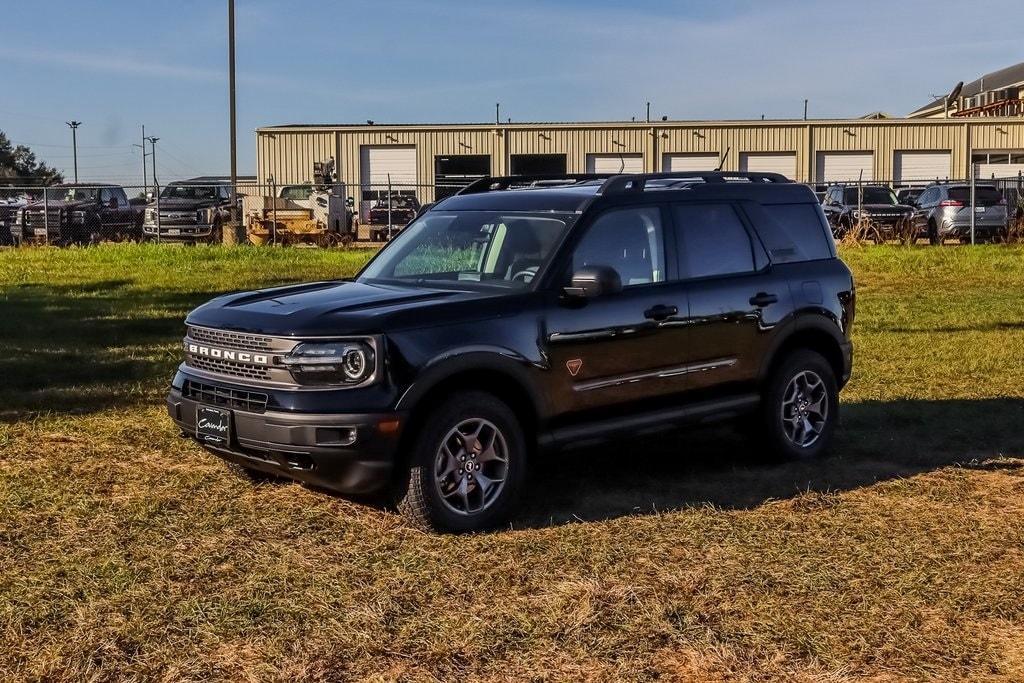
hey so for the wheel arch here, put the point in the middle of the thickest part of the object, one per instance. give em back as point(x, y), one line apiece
point(809, 331)
point(497, 373)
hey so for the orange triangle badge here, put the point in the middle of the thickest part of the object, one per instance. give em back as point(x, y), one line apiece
point(573, 366)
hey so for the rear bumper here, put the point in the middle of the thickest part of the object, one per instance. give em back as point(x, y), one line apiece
point(347, 453)
point(963, 228)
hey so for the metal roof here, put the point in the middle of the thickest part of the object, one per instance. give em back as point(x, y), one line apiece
point(1003, 78)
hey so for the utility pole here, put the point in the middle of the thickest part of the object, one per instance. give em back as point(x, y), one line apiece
point(497, 113)
point(231, 107)
point(145, 183)
point(74, 143)
point(648, 112)
point(152, 143)
point(805, 110)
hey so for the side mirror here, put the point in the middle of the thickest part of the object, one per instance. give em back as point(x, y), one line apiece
point(349, 202)
point(593, 281)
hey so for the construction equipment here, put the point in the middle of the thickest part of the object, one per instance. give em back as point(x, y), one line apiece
point(324, 218)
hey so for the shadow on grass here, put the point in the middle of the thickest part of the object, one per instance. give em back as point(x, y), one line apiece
point(715, 466)
point(78, 349)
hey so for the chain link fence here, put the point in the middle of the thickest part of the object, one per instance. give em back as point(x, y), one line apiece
point(300, 214)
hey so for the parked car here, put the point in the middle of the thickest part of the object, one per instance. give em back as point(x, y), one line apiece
point(403, 209)
point(846, 205)
point(80, 214)
point(10, 230)
point(908, 195)
point(943, 211)
point(190, 211)
point(501, 326)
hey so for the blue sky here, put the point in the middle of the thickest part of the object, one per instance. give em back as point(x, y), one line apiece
point(117, 64)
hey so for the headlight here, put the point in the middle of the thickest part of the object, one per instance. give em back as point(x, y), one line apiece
point(201, 215)
point(856, 213)
point(21, 217)
point(151, 215)
point(332, 363)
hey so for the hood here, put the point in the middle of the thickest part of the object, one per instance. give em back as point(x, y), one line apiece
point(183, 204)
point(59, 204)
point(332, 308)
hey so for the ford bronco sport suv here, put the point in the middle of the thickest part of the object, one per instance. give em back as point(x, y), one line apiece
point(845, 205)
point(512, 320)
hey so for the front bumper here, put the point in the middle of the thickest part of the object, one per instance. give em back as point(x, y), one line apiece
point(348, 453)
point(186, 232)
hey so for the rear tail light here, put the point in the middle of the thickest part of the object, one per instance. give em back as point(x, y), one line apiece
point(950, 202)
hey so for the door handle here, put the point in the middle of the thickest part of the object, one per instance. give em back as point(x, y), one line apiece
point(660, 312)
point(762, 299)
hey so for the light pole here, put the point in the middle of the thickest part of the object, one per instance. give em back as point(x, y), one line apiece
point(74, 143)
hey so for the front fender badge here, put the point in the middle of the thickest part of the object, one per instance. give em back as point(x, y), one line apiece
point(574, 365)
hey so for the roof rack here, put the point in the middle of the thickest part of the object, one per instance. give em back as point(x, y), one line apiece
point(614, 183)
point(637, 182)
point(496, 183)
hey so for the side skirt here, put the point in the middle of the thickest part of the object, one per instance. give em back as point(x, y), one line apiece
point(592, 433)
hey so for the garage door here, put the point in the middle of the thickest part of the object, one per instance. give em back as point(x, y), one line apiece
point(921, 166)
point(764, 162)
point(673, 163)
point(838, 166)
point(615, 163)
point(379, 164)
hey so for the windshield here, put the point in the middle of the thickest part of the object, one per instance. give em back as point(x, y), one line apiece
point(296, 192)
point(397, 202)
point(188, 192)
point(498, 248)
point(76, 194)
point(872, 195)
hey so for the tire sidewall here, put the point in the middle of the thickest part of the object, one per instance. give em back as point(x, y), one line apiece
point(432, 513)
point(780, 444)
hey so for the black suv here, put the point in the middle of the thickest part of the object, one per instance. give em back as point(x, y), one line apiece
point(845, 205)
point(506, 323)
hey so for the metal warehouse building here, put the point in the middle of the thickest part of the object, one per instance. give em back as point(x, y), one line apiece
point(414, 158)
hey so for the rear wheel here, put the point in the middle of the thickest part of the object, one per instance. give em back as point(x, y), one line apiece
point(800, 407)
point(933, 234)
point(468, 466)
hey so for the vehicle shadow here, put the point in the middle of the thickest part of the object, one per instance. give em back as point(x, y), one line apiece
point(79, 349)
point(716, 466)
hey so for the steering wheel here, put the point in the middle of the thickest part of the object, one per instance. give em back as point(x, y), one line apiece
point(526, 275)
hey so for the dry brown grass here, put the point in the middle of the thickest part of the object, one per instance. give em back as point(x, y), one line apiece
point(128, 554)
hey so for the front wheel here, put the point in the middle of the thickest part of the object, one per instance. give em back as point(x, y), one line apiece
point(468, 466)
point(800, 407)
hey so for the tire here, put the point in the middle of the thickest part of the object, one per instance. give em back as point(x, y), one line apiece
point(454, 500)
point(933, 235)
point(217, 233)
point(807, 373)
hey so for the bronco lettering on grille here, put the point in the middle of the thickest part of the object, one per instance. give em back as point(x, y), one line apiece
point(227, 354)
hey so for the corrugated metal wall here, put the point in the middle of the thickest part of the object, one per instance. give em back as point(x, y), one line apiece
point(288, 153)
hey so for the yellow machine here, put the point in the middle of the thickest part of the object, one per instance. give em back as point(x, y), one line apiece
point(322, 218)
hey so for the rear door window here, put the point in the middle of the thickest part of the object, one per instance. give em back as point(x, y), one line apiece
point(712, 240)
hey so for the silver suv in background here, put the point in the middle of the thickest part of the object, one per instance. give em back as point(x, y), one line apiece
point(943, 211)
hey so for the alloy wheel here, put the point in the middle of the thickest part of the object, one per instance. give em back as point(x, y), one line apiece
point(471, 466)
point(804, 409)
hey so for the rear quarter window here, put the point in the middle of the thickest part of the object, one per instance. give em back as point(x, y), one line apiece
point(796, 232)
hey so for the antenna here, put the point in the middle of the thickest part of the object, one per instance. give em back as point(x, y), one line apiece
point(724, 157)
point(953, 94)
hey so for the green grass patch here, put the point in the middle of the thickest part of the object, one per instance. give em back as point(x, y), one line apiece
point(126, 553)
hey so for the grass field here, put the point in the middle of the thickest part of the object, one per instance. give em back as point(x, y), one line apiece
point(127, 553)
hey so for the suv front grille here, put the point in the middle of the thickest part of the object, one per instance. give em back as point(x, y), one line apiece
point(230, 368)
point(234, 340)
point(249, 401)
